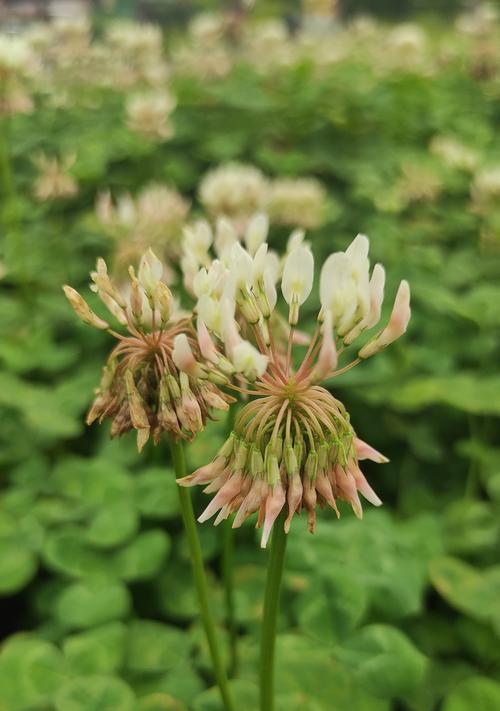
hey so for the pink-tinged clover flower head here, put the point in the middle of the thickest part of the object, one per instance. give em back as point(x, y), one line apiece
point(293, 446)
point(156, 378)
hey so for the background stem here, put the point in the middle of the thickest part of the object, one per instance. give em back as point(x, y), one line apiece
point(270, 617)
point(193, 540)
point(228, 579)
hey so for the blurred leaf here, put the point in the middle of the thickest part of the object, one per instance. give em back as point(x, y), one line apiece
point(478, 693)
point(156, 493)
point(384, 661)
point(112, 525)
point(93, 602)
point(160, 702)
point(31, 671)
point(95, 693)
point(153, 647)
point(17, 566)
point(98, 651)
point(66, 551)
point(332, 607)
point(472, 591)
point(143, 557)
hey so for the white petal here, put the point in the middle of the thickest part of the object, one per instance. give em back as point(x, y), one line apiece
point(298, 275)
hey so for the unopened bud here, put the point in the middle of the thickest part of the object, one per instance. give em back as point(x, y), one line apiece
point(135, 297)
point(291, 465)
point(164, 299)
point(312, 465)
point(83, 310)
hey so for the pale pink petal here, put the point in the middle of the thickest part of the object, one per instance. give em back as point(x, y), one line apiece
point(274, 503)
point(366, 451)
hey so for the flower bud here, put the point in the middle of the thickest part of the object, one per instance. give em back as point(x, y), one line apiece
point(83, 310)
point(137, 412)
point(164, 299)
point(149, 274)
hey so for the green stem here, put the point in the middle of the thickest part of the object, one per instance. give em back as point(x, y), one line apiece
point(270, 617)
point(193, 541)
point(228, 578)
point(227, 569)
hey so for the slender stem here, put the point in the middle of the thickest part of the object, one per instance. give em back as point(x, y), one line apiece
point(227, 565)
point(227, 568)
point(200, 580)
point(270, 618)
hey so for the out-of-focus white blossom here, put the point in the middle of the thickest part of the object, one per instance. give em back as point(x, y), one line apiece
point(300, 202)
point(234, 190)
point(149, 114)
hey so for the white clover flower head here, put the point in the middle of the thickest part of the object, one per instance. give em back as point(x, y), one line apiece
point(293, 445)
point(233, 190)
point(156, 379)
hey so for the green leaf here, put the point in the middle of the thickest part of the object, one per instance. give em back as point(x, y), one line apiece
point(95, 482)
point(332, 607)
point(156, 493)
point(472, 591)
point(95, 693)
point(17, 566)
point(143, 557)
point(245, 695)
point(31, 670)
point(384, 661)
point(153, 647)
point(478, 693)
point(160, 702)
point(98, 651)
point(307, 672)
point(112, 525)
point(92, 602)
point(66, 551)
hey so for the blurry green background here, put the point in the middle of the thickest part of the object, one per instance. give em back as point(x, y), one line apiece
point(399, 612)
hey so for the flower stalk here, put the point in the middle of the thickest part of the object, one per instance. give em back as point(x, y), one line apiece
point(178, 460)
point(270, 616)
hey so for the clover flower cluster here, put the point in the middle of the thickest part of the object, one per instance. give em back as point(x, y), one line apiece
point(293, 445)
point(237, 191)
point(54, 180)
point(142, 386)
point(17, 64)
point(69, 57)
point(154, 218)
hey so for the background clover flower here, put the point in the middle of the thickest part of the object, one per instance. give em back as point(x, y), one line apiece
point(154, 380)
point(293, 446)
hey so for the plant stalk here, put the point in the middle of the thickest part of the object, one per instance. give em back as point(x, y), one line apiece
point(179, 462)
point(270, 617)
point(228, 579)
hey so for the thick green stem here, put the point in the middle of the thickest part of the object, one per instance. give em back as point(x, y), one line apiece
point(270, 617)
point(228, 578)
point(200, 580)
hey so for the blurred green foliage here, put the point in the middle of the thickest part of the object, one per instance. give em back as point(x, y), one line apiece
point(400, 611)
